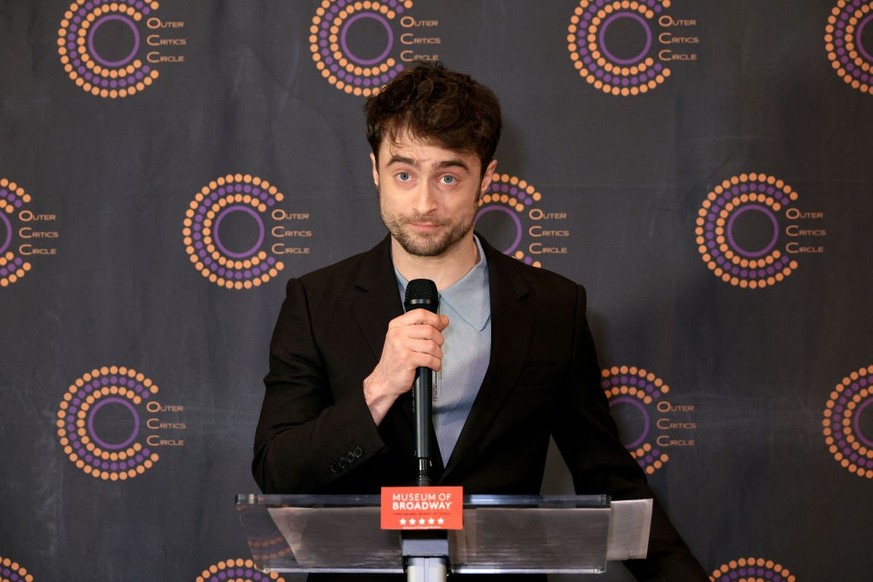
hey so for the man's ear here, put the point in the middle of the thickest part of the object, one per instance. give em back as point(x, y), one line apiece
point(487, 176)
point(375, 169)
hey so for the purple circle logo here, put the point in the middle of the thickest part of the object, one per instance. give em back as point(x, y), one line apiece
point(744, 203)
point(87, 63)
point(507, 207)
point(228, 206)
point(357, 70)
point(752, 570)
point(848, 437)
point(12, 571)
point(99, 423)
point(13, 200)
point(639, 391)
point(238, 570)
point(849, 43)
point(613, 69)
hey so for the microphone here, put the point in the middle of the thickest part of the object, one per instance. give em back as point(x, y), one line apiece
point(422, 294)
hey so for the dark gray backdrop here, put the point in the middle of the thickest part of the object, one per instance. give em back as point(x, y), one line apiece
point(750, 370)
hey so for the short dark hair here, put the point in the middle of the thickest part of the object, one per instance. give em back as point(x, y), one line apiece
point(436, 104)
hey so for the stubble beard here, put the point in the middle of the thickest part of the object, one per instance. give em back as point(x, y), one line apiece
point(427, 245)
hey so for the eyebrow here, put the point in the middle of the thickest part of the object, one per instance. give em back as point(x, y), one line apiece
point(451, 163)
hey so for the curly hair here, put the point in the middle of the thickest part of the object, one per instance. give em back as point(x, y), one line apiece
point(435, 104)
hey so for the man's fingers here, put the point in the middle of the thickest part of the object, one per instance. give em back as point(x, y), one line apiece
point(400, 331)
point(421, 317)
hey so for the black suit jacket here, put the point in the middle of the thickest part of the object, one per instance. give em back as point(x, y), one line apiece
point(316, 435)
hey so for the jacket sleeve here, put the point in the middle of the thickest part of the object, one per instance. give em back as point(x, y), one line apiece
point(309, 434)
point(589, 441)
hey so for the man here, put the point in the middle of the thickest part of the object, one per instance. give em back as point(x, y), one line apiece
point(512, 353)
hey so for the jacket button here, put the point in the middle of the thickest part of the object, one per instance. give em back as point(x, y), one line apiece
point(342, 463)
point(358, 452)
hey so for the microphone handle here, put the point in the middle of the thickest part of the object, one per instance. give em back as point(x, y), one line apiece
point(422, 394)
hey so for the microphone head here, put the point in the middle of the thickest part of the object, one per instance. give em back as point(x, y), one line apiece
point(422, 294)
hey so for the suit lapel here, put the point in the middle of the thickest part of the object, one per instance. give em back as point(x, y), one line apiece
point(511, 326)
point(377, 300)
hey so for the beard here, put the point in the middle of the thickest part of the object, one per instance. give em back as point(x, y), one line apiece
point(428, 245)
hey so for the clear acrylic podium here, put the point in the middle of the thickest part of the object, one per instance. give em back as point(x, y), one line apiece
point(501, 534)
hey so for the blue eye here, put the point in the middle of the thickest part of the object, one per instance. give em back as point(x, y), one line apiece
point(403, 176)
point(449, 180)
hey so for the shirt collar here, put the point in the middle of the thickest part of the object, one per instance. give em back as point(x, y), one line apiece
point(469, 296)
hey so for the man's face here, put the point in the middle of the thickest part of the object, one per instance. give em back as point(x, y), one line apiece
point(428, 195)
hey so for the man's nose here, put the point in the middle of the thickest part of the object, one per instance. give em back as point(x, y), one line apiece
point(425, 199)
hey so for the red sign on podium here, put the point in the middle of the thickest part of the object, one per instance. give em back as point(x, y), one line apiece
point(422, 508)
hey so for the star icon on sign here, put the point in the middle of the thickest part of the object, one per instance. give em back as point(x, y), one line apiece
point(421, 521)
point(431, 521)
point(402, 521)
point(441, 521)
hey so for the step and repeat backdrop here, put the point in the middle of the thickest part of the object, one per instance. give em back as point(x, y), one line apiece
point(704, 168)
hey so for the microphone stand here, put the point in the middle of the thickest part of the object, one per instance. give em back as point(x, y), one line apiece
point(425, 552)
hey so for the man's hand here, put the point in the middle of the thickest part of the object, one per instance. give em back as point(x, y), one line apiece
point(413, 340)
